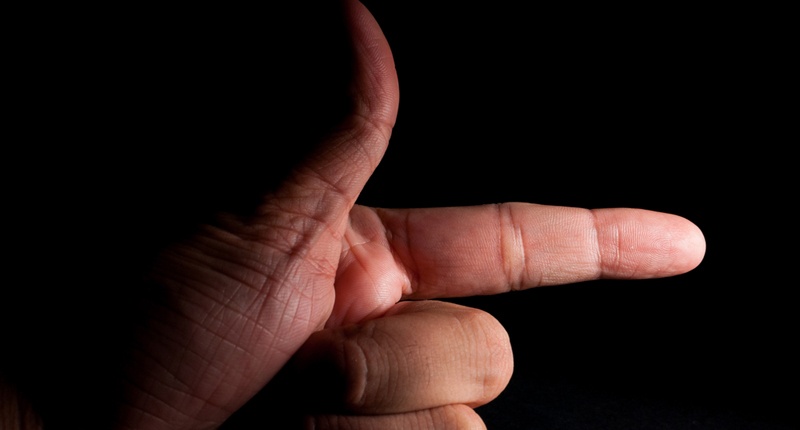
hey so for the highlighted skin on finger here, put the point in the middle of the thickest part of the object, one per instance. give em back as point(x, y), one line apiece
point(369, 280)
point(496, 248)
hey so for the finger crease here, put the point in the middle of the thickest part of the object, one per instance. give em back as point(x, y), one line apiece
point(512, 249)
point(599, 254)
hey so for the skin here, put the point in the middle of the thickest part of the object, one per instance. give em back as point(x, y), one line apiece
point(314, 284)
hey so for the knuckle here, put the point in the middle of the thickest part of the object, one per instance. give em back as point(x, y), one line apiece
point(494, 356)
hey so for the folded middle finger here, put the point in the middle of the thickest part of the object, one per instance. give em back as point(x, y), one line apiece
point(419, 355)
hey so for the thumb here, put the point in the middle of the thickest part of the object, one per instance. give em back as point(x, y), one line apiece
point(327, 183)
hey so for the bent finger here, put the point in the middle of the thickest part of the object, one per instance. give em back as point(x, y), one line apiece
point(420, 355)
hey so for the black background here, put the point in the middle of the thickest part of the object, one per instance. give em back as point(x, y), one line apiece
point(136, 121)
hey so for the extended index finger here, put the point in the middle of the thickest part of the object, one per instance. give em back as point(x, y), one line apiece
point(490, 249)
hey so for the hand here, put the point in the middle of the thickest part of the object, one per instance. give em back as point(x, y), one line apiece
point(345, 292)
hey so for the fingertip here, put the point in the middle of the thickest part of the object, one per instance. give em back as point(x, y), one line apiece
point(680, 246)
point(639, 243)
point(692, 245)
point(376, 77)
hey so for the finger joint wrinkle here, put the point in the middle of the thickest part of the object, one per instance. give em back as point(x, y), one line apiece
point(604, 261)
point(511, 247)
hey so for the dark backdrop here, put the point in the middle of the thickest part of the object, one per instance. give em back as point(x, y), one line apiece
point(145, 118)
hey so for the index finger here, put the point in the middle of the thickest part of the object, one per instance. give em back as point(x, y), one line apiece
point(491, 249)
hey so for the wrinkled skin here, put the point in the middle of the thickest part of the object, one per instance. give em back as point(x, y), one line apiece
point(336, 287)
